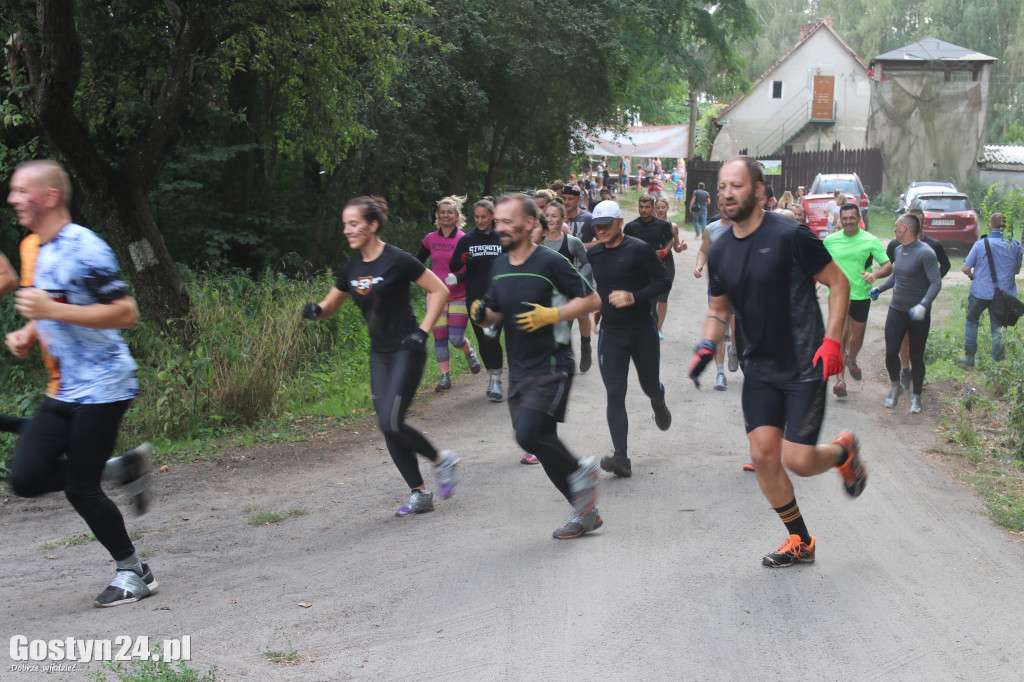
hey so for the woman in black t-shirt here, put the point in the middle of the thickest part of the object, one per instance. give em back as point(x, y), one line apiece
point(377, 281)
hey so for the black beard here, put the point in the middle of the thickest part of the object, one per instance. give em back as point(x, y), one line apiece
point(744, 210)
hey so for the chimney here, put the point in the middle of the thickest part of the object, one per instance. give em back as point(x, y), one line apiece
point(805, 29)
point(826, 20)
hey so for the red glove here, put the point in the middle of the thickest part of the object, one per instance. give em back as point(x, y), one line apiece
point(703, 354)
point(830, 356)
point(466, 257)
point(662, 253)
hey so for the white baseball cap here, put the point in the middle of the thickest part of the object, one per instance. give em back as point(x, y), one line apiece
point(605, 212)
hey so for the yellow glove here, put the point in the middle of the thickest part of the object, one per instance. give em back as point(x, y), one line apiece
point(539, 317)
point(478, 311)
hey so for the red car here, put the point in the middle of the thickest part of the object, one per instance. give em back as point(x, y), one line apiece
point(948, 217)
point(816, 213)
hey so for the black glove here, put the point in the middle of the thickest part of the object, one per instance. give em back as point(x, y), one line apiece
point(478, 311)
point(311, 311)
point(416, 341)
point(703, 354)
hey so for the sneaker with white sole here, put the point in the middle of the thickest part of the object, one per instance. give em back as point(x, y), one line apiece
point(494, 387)
point(721, 384)
point(126, 587)
point(529, 459)
point(419, 502)
point(915, 403)
point(447, 478)
point(583, 485)
point(894, 395)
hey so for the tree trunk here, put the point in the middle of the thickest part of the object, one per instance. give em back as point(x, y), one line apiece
point(48, 49)
point(460, 164)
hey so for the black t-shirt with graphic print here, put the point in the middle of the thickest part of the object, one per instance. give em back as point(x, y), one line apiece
point(769, 279)
point(380, 288)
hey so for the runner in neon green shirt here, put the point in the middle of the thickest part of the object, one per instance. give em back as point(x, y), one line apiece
point(853, 250)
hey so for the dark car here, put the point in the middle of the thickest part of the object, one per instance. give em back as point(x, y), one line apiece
point(916, 189)
point(948, 217)
point(851, 186)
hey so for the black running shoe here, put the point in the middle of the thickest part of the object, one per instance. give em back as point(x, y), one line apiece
point(662, 417)
point(127, 586)
point(618, 465)
point(792, 551)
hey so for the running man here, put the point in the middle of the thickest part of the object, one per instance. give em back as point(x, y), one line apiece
point(579, 227)
point(915, 282)
point(765, 267)
point(707, 238)
point(75, 303)
point(657, 233)
point(377, 280)
point(523, 281)
point(473, 255)
point(854, 249)
point(629, 277)
point(450, 327)
point(944, 265)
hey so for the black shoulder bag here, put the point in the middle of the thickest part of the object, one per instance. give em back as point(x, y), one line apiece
point(1007, 309)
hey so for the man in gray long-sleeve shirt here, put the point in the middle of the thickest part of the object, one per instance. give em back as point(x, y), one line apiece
point(915, 282)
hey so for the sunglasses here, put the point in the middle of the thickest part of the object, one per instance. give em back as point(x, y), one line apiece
point(571, 190)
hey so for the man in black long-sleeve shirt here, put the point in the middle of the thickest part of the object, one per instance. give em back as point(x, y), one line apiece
point(629, 276)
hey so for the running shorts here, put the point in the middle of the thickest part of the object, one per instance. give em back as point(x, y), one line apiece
point(796, 407)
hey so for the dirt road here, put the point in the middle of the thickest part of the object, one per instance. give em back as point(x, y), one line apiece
point(911, 581)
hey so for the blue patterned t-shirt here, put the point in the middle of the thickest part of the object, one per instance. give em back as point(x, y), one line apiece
point(79, 268)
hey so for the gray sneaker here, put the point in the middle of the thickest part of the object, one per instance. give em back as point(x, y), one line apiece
point(494, 387)
point(127, 586)
point(136, 482)
point(419, 502)
point(583, 484)
point(720, 382)
point(894, 394)
point(734, 358)
point(447, 479)
point(915, 403)
point(473, 362)
point(578, 525)
point(444, 384)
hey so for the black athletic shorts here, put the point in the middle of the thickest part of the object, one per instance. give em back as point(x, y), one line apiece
point(547, 393)
point(858, 310)
point(670, 266)
point(796, 407)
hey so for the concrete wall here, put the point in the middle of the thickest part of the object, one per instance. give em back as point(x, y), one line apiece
point(754, 123)
point(1010, 177)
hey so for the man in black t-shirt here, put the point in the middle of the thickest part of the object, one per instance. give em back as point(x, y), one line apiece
point(629, 277)
point(521, 289)
point(657, 234)
point(766, 268)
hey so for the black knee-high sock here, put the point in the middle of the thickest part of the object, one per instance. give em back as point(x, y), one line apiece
point(790, 515)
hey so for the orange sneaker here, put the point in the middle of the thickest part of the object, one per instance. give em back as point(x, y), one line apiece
point(792, 551)
point(749, 466)
point(855, 476)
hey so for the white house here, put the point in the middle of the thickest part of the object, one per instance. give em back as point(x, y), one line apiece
point(816, 94)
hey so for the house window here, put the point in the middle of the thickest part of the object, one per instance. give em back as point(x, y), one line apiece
point(776, 89)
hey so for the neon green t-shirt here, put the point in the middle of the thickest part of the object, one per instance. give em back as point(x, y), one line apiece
point(851, 255)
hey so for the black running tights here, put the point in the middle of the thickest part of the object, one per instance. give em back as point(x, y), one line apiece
point(897, 325)
point(490, 347)
point(616, 346)
point(537, 433)
point(394, 378)
point(86, 434)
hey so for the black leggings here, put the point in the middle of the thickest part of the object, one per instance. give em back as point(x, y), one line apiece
point(616, 346)
point(897, 325)
point(86, 434)
point(9, 424)
point(537, 434)
point(490, 347)
point(394, 378)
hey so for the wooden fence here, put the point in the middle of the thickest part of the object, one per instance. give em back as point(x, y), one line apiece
point(798, 168)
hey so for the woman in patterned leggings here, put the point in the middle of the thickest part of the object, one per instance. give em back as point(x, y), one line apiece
point(451, 325)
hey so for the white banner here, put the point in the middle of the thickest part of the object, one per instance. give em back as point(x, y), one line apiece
point(653, 141)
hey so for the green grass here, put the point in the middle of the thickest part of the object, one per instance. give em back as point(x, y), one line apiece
point(265, 518)
point(151, 671)
point(288, 656)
